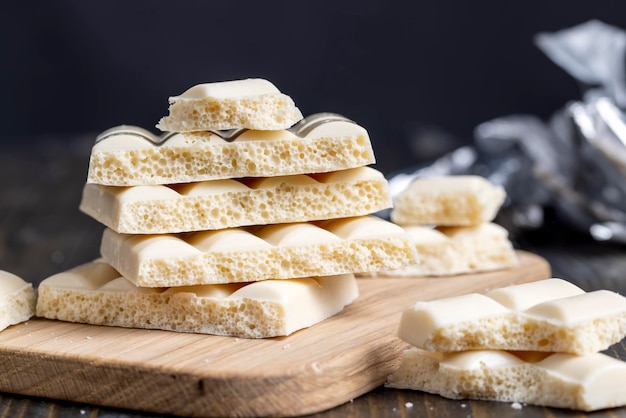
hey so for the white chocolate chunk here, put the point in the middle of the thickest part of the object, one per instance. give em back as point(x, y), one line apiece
point(562, 318)
point(448, 201)
point(252, 103)
point(587, 383)
point(17, 300)
point(94, 293)
point(229, 203)
point(447, 251)
point(129, 160)
point(281, 251)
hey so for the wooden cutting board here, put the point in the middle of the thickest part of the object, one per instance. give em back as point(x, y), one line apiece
point(199, 375)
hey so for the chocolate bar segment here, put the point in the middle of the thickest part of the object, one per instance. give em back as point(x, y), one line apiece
point(17, 300)
point(94, 293)
point(447, 251)
point(218, 204)
point(549, 315)
point(128, 159)
point(586, 383)
point(281, 251)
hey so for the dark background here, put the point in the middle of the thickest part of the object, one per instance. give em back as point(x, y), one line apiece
point(399, 68)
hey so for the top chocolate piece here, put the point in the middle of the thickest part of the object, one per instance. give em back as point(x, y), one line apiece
point(131, 156)
point(253, 103)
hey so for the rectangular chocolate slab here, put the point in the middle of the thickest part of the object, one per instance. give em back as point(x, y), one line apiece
point(125, 158)
point(94, 293)
point(551, 315)
point(281, 251)
point(228, 203)
point(585, 383)
point(446, 251)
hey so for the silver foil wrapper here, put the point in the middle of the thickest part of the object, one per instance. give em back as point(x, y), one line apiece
point(574, 163)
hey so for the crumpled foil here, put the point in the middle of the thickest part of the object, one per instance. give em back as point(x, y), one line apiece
point(574, 163)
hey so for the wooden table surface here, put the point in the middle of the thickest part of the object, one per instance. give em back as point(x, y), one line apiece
point(42, 232)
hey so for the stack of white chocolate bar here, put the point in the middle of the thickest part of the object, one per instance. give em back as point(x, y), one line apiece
point(535, 343)
point(242, 219)
point(450, 222)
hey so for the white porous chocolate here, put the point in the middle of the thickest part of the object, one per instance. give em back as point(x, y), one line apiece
point(280, 251)
point(253, 103)
point(448, 251)
point(549, 315)
point(17, 300)
point(94, 293)
point(448, 201)
point(218, 204)
point(317, 144)
point(587, 383)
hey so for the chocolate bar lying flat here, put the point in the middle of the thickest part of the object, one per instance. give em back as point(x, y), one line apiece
point(548, 315)
point(252, 103)
point(95, 293)
point(448, 201)
point(448, 251)
point(125, 158)
point(218, 204)
point(588, 383)
point(17, 300)
point(281, 251)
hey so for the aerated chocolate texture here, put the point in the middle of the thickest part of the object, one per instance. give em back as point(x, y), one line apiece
point(446, 251)
point(269, 211)
point(17, 300)
point(281, 251)
point(448, 201)
point(131, 160)
point(252, 103)
point(587, 383)
point(95, 293)
point(218, 204)
point(549, 315)
point(535, 343)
